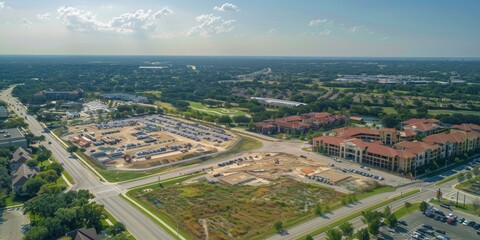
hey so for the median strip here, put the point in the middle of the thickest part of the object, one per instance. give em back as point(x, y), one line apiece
point(358, 213)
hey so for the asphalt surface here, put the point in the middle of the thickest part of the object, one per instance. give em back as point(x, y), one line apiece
point(13, 223)
point(416, 219)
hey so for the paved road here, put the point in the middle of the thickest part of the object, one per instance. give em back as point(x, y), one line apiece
point(141, 226)
point(12, 223)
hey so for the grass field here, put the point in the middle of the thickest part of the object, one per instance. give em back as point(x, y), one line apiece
point(445, 111)
point(468, 207)
point(166, 106)
point(218, 111)
point(241, 212)
point(471, 185)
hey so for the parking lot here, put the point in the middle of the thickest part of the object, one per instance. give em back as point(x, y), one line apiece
point(148, 141)
point(417, 219)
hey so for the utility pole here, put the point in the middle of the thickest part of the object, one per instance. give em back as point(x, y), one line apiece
point(456, 204)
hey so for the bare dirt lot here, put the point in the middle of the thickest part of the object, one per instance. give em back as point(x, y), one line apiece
point(140, 142)
point(262, 168)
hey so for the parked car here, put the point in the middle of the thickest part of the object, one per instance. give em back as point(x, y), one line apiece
point(402, 222)
point(427, 226)
point(440, 231)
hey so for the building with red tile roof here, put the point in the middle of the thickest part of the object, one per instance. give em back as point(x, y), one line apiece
point(467, 127)
point(299, 124)
point(426, 126)
point(387, 136)
point(371, 153)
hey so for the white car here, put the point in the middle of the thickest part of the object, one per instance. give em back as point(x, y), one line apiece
point(465, 222)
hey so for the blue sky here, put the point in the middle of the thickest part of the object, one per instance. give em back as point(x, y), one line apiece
point(424, 28)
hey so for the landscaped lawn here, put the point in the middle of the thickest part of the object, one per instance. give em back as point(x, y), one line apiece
point(216, 110)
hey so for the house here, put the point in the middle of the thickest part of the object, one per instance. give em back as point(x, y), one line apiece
point(83, 234)
point(19, 157)
point(12, 137)
point(21, 175)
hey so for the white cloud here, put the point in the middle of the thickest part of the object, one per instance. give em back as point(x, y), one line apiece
point(272, 31)
point(140, 21)
point(385, 38)
point(208, 24)
point(325, 32)
point(26, 23)
point(356, 29)
point(317, 22)
point(44, 16)
point(226, 7)
point(2, 5)
point(162, 12)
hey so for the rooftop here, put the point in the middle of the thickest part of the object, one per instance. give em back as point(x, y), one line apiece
point(10, 133)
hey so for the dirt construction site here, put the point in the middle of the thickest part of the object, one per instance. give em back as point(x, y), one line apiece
point(258, 168)
point(146, 142)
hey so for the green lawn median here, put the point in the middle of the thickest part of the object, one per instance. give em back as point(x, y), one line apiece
point(358, 213)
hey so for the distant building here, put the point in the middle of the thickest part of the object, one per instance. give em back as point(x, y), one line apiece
point(51, 95)
point(275, 103)
point(83, 234)
point(72, 115)
point(12, 137)
point(299, 124)
point(423, 125)
point(125, 97)
point(95, 107)
point(4, 112)
point(21, 175)
point(387, 136)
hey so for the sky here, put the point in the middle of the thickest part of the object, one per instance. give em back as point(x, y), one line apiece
point(346, 28)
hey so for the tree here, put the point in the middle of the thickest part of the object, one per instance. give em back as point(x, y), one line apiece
point(387, 211)
point(71, 149)
point(116, 229)
point(334, 234)
point(407, 205)
point(374, 227)
point(49, 175)
point(309, 237)
point(390, 121)
point(469, 175)
point(391, 220)
point(36, 233)
point(278, 226)
point(461, 177)
point(32, 163)
point(363, 234)
point(32, 186)
point(50, 188)
point(318, 209)
point(44, 155)
point(423, 206)
point(57, 167)
point(475, 204)
point(347, 229)
point(476, 170)
point(225, 119)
